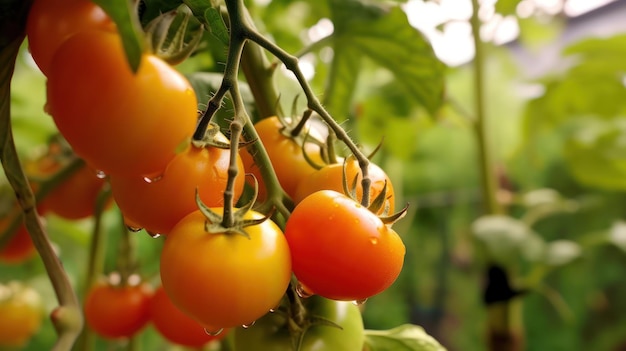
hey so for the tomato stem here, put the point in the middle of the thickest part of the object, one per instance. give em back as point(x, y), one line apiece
point(68, 324)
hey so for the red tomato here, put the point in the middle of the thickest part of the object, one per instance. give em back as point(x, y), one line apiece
point(117, 311)
point(330, 177)
point(157, 206)
point(286, 156)
point(75, 198)
point(175, 326)
point(340, 250)
point(224, 280)
point(19, 248)
point(21, 313)
point(51, 22)
point(119, 122)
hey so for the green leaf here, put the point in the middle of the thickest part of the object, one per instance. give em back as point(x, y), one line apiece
point(217, 27)
point(386, 37)
point(407, 337)
point(125, 17)
point(562, 252)
point(341, 84)
point(506, 239)
point(205, 84)
point(596, 153)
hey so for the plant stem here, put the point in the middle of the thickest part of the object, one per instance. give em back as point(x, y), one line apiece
point(96, 262)
point(504, 321)
point(66, 318)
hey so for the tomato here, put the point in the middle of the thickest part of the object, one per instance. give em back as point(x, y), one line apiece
point(119, 122)
point(51, 22)
point(341, 250)
point(158, 205)
point(286, 156)
point(176, 326)
point(117, 311)
point(330, 177)
point(270, 333)
point(225, 280)
point(20, 247)
point(21, 313)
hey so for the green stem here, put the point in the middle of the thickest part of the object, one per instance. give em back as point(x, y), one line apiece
point(95, 265)
point(488, 175)
point(259, 75)
point(66, 318)
point(504, 321)
point(126, 264)
point(291, 62)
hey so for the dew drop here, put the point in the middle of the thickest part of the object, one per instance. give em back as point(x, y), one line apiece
point(303, 292)
point(374, 240)
point(152, 179)
point(101, 174)
point(213, 332)
point(359, 302)
point(154, 235)
point(248, 325)
point(133, 229)
point(272, 310)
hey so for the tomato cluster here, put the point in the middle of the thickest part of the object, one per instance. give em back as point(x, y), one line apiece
point(220, 267)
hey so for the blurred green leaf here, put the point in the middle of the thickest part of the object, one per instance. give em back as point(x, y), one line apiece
point(561, 252)
point(596, 153)
point(407, 337)
point(506, 239)
point(125, 16)
point(386, 37)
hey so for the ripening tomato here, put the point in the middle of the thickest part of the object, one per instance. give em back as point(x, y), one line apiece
point(271, 332)
point(21, 313)
point(51, 22)
point(119, 122)
point(286, 154)
point(341, 250)
point(158, 205)
point(175, 326)
point(330, 177)
point(224, 280)
point(115, 312)
point(19, 247)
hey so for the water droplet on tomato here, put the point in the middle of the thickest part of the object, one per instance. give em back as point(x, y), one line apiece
point(213, 332)
point(133, 229)
point(152, 179)
point(154, 235)
point(359, 302)
point(374, 240)
point(302, 291)
point(248, 325)
point(101, 174)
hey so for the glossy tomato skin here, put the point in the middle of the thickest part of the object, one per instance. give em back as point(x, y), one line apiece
point(119, 122)
point(157, 206)
point(21, 314)
point(76, 197)
point(270, 333)
point(225, 280)
point(330, 177)
point(115, 312)
point(51, 22)
point(175, 326)
point(341, 250)
point(286, 155)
